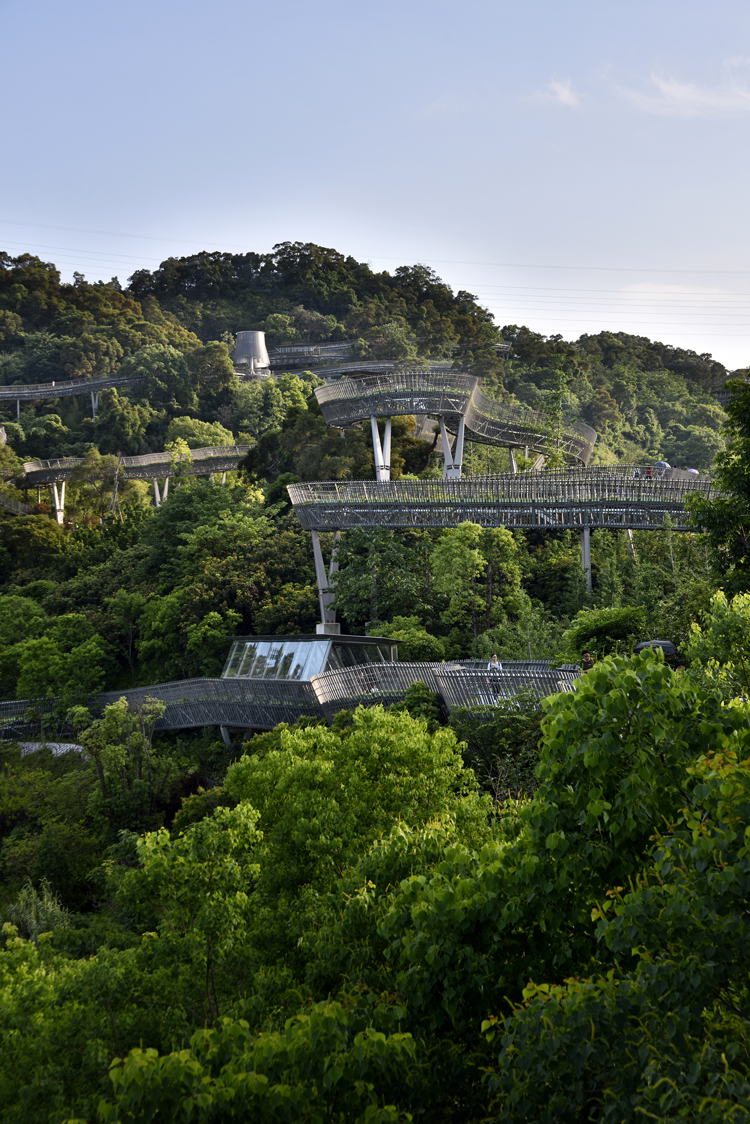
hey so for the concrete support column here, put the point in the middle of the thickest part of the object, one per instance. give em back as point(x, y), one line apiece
point(18, 409)
point(538, 464)
point(328, 623)
point(157, 494)
point(59, 502)
point(223, 479)
point(586, 555)
point(94, 404)
point(225, 735)
point(381, 473)
point(512, 455)
point(165, 489)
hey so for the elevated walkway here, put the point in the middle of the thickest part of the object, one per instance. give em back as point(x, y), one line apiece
point(622, 497)
point(151, 466)
point(456, 401)
point(65, 388)
point(261, 704)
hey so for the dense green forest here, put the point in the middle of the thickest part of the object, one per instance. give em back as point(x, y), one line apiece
point(541, 917)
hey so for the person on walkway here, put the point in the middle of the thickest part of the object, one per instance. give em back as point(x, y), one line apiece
point(494, 664)
point(587, 662)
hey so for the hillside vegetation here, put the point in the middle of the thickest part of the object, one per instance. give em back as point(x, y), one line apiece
point(541, 917)
point(178, 324)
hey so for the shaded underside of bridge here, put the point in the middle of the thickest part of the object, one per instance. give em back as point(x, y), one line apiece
point(453, 396)
point(615, 499)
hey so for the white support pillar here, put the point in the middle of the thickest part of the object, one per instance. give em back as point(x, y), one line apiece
point(512, 455)
point(387, 449)
point(328, 625)
point(165, 489)
point(94, 404)
point(59, 501)
point(630, 545)
point(157, 494)
point(586, 555)
point(18, 409)
point(538, 464)
point(334, 566)
point(223, 479)
point(447, 452)
point(453, 471)
point(380, 470)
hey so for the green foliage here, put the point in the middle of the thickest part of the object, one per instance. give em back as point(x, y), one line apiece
point(33, 913)
point(415, 642)
point(328, 1064)
point(194, 889)
point(420, 702)
point(603, 630)
point(503, 744)
point(719, 648)
point(382, 575)
point(725, 516)
point(198, 434)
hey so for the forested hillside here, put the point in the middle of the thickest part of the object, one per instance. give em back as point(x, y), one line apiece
point(539, 917)
point(177, 325)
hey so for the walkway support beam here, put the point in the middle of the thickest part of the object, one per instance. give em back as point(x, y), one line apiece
point(58, 498)
point(381, 471)
point(586, 555)
point(452, 470)
point(328, 623)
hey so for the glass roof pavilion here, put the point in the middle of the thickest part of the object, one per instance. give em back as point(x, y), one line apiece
point(299, 658)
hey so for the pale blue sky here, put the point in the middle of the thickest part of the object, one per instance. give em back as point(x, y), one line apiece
point(578, 165)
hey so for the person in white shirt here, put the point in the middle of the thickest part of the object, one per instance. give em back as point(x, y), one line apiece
point(494, 664)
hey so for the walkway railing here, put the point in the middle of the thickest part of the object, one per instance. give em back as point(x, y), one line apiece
point(480, 691)
point(619, 497)
point(65, 388)
point(261, 704)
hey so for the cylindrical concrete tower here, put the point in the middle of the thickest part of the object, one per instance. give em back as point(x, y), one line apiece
point(251, 351)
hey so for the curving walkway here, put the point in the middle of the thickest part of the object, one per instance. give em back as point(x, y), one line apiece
point(68, 388)
point(150, 466)
point(261, 703)
point(456, 400)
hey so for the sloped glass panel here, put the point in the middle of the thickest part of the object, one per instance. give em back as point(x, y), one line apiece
point(234, 659)
point(273, 659)
point(248, 658)
point(256, 669)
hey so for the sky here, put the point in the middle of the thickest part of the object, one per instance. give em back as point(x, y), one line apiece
point(579, 166)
